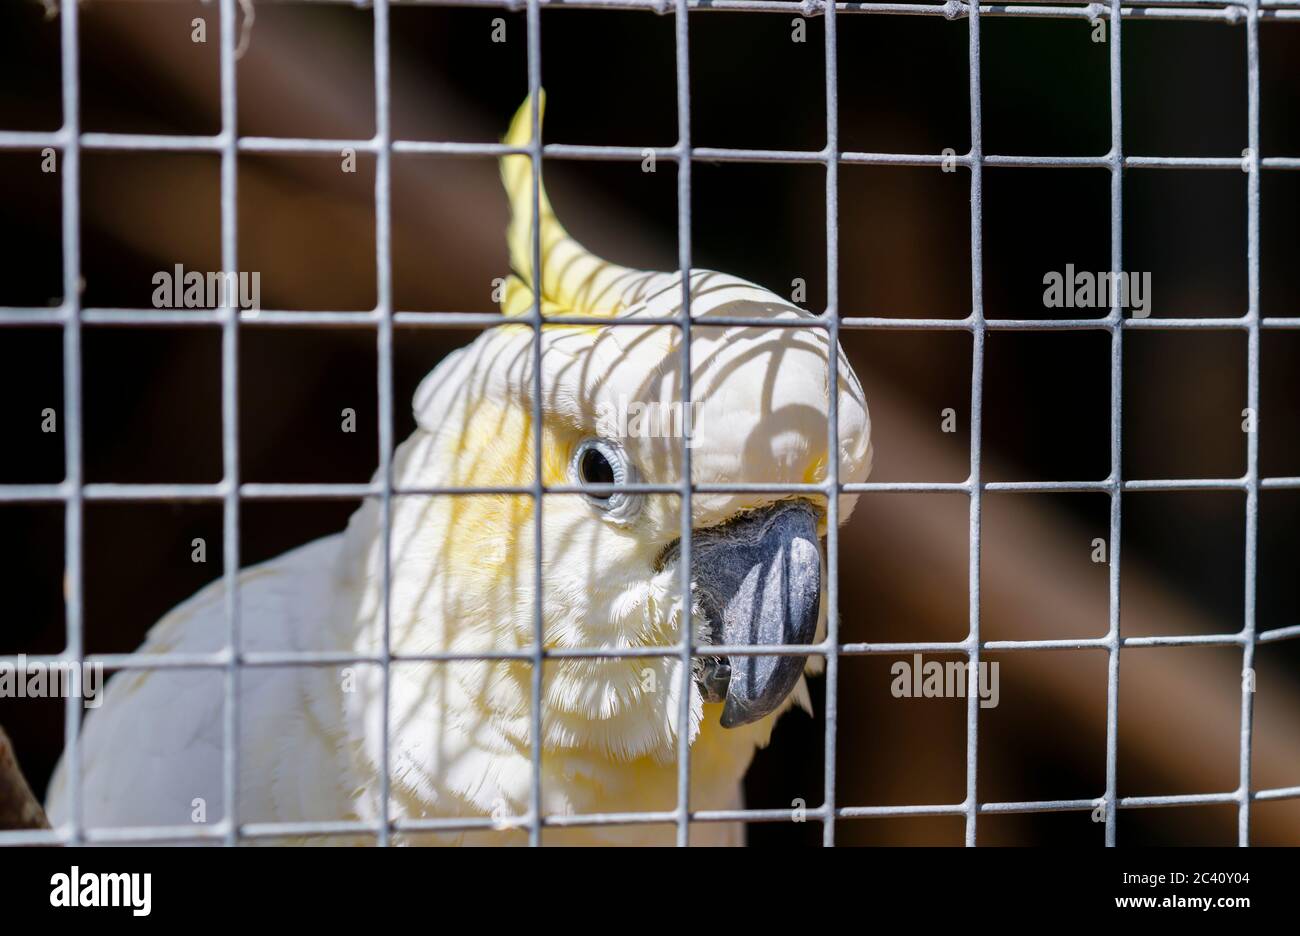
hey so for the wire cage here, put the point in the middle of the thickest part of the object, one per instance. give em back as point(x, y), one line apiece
point(74, 493)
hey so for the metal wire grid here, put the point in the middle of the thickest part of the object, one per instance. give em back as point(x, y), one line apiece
point(73, 492)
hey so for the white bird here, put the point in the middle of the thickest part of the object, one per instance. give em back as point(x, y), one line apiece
point(462, 581)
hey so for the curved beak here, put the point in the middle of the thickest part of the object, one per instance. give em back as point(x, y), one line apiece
point(758, 581)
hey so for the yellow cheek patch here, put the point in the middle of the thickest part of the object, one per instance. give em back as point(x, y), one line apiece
point(488, 535)
point(557, 449)
point(815, 473)
point(496, 449)
point(488, 538)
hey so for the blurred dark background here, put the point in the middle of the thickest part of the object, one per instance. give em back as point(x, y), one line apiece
point(152, 395)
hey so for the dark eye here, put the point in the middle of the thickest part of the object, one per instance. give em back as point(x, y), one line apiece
point(596, 469)
point(603, 461)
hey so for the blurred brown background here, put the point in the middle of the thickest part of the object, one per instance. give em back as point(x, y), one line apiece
point(152, 406)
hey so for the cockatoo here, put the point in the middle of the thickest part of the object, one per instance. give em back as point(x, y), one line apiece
point(462, 581)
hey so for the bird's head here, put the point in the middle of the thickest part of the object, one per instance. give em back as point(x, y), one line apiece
point(612, 414)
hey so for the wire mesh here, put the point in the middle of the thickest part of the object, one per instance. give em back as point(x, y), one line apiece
point(74, 493)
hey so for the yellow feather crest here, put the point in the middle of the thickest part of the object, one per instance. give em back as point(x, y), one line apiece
point(574, 281)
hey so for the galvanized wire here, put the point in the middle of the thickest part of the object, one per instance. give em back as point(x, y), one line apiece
point(384, 349)
point(682, 52)
point(1116, 426)
point(73, 571)
point(230, 424)
point(1230, 11)
point(978, 331)
point(74, 493)
point(832, 318)
point(537, 725)
point(1248, 630)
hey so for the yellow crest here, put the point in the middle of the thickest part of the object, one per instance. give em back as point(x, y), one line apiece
point(574, 281)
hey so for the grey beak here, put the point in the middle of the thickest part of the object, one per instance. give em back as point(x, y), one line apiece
point(758, 580)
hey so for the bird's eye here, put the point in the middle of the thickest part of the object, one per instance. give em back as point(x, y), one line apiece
point(596, 468)
point(600, 461)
